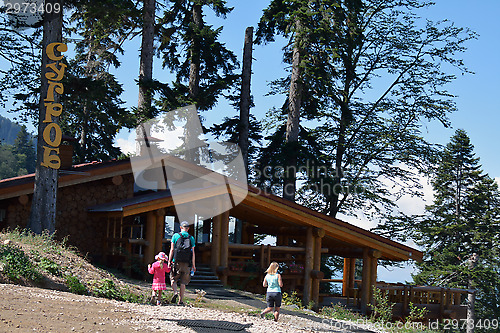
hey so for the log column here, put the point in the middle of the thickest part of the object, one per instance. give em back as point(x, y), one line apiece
point(318, 236)
point(375, 255)
point(308, 267)
point(160, 230)
point(224, 245)
point(365, 283)
point(149, 251)
point(215, 249)
point(370, 261)
point(348, 276)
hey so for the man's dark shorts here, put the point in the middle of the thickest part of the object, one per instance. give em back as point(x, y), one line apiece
point(273, 300)
point(180, 272)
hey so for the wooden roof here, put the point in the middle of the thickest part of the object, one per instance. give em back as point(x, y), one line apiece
point(256, 204)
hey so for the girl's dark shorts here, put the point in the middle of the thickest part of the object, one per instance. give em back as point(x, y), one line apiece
point(273, 300)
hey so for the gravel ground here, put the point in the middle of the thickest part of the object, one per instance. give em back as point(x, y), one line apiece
point(29, 309)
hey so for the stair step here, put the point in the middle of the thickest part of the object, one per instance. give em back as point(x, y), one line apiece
point(206, 277)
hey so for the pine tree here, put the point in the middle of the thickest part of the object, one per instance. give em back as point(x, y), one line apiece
point(305, 25)
point(23, 145)
point(93, 109)
point(191, 49)
point(464, 220)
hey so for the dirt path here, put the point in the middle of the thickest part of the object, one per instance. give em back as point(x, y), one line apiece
point(27, 309)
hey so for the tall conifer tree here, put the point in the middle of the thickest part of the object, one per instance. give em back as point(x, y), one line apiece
point(461, 231)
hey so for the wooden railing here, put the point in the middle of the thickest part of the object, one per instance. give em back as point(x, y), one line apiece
point(439, 302)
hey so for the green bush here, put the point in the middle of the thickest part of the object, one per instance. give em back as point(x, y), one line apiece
point(16, 265)
point(382, 310)
point(105, 288)
point(291, 299)
point(338, 311)
point(75, 286)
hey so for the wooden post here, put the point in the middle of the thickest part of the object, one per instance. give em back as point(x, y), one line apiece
point(244, 233)
point(346, 274)
point(215, 249)
point(316, 266)
point(149, 254)
point(365, 284)
point(308, 266)
point(160, 230)
point(373, 278)
point(268, 261)
point(224, 244)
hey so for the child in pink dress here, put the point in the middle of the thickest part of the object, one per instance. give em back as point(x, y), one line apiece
point(158, 269)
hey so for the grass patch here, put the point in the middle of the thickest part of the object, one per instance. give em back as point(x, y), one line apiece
point(15, 264)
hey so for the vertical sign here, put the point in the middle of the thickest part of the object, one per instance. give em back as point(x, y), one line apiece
point(52, 133)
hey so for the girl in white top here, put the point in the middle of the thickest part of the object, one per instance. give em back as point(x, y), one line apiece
point(273, 283)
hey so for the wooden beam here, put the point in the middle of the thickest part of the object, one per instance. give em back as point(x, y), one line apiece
point(335, 231)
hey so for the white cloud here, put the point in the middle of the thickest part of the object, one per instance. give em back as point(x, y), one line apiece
point(125, 140)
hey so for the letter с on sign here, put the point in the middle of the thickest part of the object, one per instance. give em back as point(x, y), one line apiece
point(52, 134)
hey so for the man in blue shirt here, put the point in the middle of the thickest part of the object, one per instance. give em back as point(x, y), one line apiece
point(180, 259)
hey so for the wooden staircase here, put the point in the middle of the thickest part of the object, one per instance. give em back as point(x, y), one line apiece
point(204, 277)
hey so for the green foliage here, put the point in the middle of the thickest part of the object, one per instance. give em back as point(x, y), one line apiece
point(338, 311)
point(47, 265)
point(105, 288)
point(382, 310)
point(75, 286)
point(416, 314)
point(16, 264)
point(186, 42)
point(363, 139)
point(19, 158)
point(108, 289)
point(291, 299)
point(463, 220)
point(8, 130)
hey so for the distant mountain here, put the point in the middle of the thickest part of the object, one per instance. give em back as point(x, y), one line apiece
point(8, 130)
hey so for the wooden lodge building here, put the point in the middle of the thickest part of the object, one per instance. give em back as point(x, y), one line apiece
point(100, 214)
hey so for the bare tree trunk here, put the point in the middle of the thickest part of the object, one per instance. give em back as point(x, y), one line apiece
point(292, 126)
point(44, 204)
point(245, 99)
point(194, 67)
point(146, 68)
point(471, 297)
point(191, 139)
point(147, 51)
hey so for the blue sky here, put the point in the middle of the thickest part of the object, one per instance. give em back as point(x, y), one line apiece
point(478, 111)
point(477, 108)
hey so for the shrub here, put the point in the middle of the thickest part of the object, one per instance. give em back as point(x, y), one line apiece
point(338, 311)
point(75, 286)
point(291, 299)
point(105, 288)
point(16, 264)
point(382, 310)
